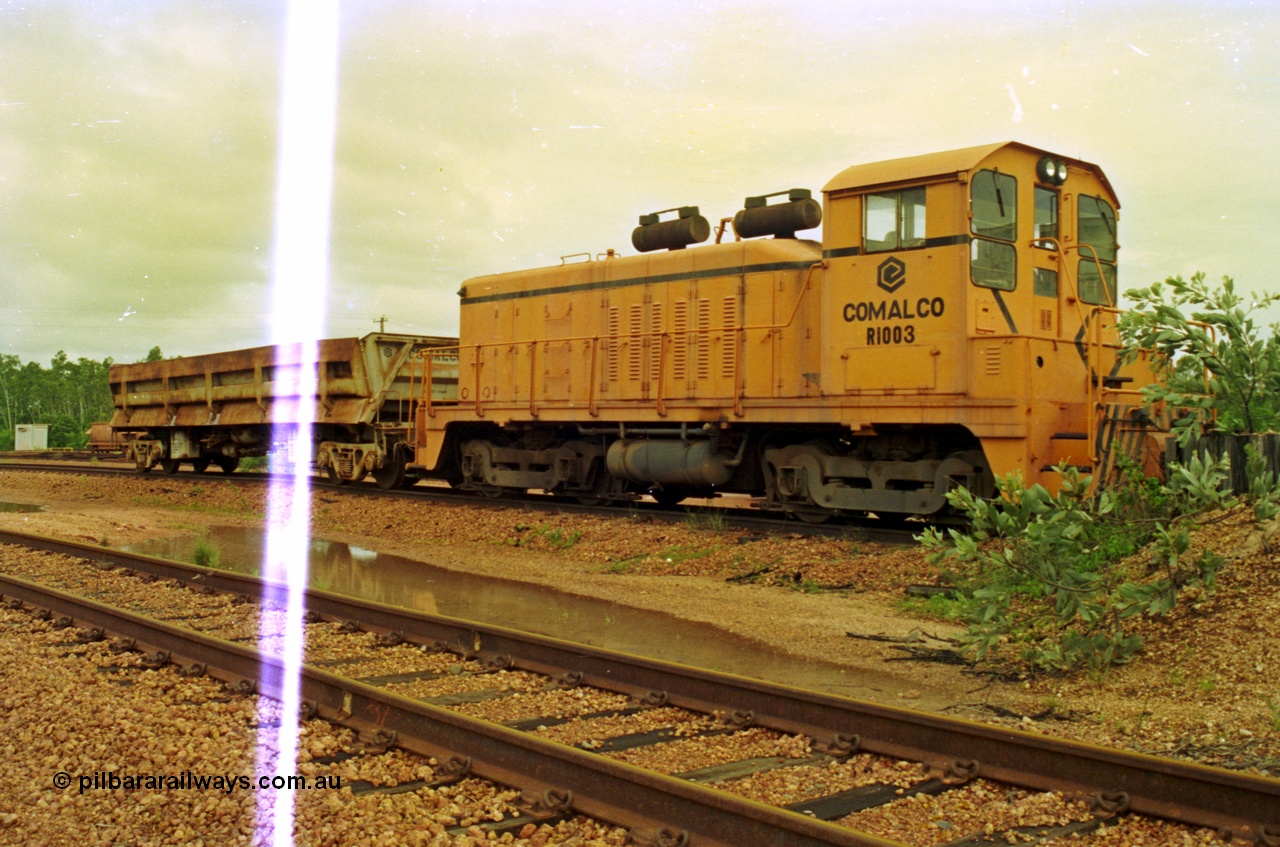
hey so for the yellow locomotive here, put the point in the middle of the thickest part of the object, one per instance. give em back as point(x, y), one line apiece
point(957, 322)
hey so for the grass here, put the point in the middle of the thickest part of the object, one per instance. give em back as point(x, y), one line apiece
point(626, 565)
point(1273, 706)
point(684, 552)
point(554, 537)
point(708, 520)
point(205, 554)
point(936, 606)
point(243, 509)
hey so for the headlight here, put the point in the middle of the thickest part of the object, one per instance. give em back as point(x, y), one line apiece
point(1052, 171)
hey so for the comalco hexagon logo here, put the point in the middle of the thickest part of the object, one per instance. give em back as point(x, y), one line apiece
point(891, 274)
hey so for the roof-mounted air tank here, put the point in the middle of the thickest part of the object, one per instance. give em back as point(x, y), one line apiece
point(780, 220)
point(687, 228)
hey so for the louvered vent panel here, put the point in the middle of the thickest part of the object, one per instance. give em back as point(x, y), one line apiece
point(729, 362)
point(994, 361)
point(704, 339)
point(680, 339)
point(1046, 320)
point(635, 370)
point(654, 341)
point(611, 345)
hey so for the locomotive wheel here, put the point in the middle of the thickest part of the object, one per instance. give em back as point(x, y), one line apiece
point(169, 466)
point(391, 475)
point(814, 516)
point(201, 464)
point(332, 473)
point(228, 464)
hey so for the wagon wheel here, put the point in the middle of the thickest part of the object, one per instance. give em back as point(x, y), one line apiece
point(332, 473)
point(201, 464)
point(228, 464)
point(169, 466)
point(495, 492)
point(814, 515)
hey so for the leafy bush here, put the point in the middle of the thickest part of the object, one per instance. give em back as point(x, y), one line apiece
point(1220, 371)
point(1048, 581)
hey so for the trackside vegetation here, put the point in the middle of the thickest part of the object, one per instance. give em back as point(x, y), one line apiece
point(1055, 582)
point(68, 396)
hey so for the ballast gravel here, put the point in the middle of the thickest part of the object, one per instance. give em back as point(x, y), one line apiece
point(70, 711)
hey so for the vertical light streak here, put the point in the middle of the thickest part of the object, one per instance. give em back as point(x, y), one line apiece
point(300, 279)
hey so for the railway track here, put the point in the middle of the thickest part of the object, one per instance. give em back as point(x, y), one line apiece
point(741, 518)
point(673, 754)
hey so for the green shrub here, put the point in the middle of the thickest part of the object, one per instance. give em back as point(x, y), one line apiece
point(205, 554)
point(1048, 581)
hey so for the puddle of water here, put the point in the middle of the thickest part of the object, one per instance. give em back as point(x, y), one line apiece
point(20, 507)
point(358, 572)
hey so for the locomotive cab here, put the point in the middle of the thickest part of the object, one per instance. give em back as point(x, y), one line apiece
point(981, 283)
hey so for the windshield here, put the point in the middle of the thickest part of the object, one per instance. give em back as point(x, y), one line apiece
point(1098, 227)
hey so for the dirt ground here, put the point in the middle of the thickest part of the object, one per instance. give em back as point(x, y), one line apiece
point(1205, 688)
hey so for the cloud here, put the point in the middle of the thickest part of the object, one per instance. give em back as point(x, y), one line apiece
point(137, 141)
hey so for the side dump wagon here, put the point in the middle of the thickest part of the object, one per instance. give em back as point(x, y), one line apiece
point(217, 408)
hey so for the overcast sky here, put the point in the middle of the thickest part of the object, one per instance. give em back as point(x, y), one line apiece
point(138, 140)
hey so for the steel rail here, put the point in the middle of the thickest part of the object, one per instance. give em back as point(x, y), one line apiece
point(1245, 805)
point(559, 778)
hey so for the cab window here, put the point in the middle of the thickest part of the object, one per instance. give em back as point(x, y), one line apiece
point(1046, 223)
point(1092, 276)
point(1046, 282)
point(1096, 270)
point(993, 264)
point(893, 220)
point(1098, 227)
point(994, 207)
point(993, 213)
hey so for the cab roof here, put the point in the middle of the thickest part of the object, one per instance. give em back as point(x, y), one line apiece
point(934, 166)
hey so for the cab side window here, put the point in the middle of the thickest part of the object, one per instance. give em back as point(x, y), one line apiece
point(893, 220)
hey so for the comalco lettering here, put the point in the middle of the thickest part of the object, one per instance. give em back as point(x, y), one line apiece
point(890, 310)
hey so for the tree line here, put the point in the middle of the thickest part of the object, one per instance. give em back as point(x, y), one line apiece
point(67, 395)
